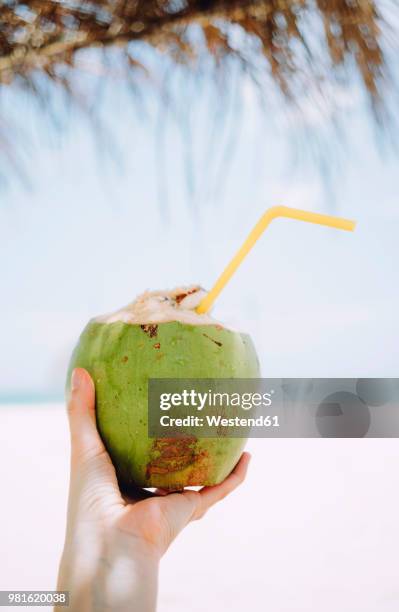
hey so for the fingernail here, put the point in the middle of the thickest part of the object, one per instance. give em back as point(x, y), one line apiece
point(75, 380)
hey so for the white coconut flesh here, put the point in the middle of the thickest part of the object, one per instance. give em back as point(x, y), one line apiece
point(162, 307)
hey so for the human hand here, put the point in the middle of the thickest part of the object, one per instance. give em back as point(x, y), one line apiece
point(113, 543)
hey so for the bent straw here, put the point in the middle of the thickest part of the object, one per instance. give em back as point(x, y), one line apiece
point(272, 213)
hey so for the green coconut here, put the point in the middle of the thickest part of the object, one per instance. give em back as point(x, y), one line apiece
point(123, 351)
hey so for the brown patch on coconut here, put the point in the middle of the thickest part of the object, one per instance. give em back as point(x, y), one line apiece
point(150, 329)
point(171, 455)
point(125, 358)
point(176, 454)
point(200, 471)
point(213, 340)
point(157, 345)
point(179, 298)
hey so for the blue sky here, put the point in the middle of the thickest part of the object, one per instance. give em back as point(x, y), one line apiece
point(170, 205)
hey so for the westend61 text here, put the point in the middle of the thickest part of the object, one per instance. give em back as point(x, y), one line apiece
point(219, 421)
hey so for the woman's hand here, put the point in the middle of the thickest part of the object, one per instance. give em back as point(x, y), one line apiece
point(113, 544)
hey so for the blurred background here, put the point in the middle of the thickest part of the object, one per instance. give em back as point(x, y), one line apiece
point(168, 202)
point(126, 187)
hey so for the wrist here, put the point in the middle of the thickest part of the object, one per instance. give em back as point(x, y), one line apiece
point(105, 568)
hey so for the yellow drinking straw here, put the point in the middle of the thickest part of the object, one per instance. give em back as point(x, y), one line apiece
point(272, 213)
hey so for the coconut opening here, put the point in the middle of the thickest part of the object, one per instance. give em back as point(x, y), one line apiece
point(162, 307)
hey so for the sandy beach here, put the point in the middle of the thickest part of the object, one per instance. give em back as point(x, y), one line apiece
point(313, 529)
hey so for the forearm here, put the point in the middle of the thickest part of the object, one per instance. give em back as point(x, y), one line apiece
point(120, 575)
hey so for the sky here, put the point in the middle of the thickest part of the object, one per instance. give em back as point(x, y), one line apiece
point(165, 195)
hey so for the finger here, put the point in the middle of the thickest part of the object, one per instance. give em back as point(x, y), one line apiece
point(85, 439)
point(177, 509)
point(209, 496)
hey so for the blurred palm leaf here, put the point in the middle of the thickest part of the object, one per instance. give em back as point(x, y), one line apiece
point(44, 34)
point(302, 44)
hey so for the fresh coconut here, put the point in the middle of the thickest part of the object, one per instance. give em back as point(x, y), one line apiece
point(160, 335)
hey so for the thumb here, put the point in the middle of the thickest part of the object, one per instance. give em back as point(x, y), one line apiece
point(85, 439)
